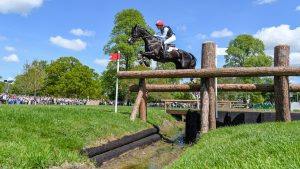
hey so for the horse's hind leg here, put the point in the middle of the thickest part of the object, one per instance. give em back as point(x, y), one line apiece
point(185, 62)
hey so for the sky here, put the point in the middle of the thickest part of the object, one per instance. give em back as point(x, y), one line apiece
point(48, 29)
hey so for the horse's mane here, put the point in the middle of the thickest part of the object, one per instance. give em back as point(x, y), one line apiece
point(145, 29)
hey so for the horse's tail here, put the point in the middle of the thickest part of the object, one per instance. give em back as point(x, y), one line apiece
point(193, 61)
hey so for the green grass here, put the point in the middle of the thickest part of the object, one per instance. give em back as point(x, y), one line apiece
point(43, 136)
point(269, 145)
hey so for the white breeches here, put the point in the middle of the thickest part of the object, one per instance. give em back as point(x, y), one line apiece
point(170, 40)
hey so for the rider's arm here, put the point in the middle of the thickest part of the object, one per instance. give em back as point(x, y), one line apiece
point(164, 33)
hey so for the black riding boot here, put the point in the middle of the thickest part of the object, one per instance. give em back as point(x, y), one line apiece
point(165, 51)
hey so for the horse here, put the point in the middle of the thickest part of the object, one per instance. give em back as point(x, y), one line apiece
point(154, 50)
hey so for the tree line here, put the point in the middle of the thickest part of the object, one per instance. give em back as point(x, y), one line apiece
point(67, 77)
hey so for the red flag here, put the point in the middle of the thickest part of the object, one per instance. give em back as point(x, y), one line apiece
point(115, 56)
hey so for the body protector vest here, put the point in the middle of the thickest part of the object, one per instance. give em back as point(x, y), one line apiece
point(169, 33)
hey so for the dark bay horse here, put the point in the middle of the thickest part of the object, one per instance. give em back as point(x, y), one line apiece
point(154, 50)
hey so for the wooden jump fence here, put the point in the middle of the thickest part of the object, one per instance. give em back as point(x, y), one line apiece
point(208, 71)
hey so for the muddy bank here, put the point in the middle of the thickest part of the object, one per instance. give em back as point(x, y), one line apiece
point(154, 156)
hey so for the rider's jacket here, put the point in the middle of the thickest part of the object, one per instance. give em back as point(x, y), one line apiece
point(166, 32)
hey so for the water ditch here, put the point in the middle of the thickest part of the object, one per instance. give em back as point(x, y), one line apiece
point(154, 156)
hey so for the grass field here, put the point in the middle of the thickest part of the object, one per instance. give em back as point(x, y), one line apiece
point(43, 136)
point(269, 145)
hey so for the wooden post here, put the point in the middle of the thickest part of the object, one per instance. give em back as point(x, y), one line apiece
point(281, 84)
point(208, 50)
point(140, 102)
point(143, 105)
point(136, 105)
point(212, 87)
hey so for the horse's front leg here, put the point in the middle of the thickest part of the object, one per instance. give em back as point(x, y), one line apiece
point(140, 57)
point(146, 61)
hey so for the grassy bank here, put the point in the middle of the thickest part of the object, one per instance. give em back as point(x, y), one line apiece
point(269, 145)
point(43, 136)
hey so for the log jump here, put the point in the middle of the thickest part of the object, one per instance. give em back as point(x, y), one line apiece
point(208, 72)
point(220, 87)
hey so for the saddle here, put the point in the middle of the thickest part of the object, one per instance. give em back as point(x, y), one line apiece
point(171, 47)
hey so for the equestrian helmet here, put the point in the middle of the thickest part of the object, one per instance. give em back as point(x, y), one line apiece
point(159, 23)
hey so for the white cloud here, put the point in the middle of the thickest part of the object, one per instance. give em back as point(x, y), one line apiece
point(222, 33)
point(273, 36)
point(73, 44)
point(10, 48)
point(261, 2)
point(80, 32)
point(22, 7)
point(221, 51)
point(200, 36)
point(298, 8)
point(101, 62)
point(11, 58)
point(10, 78)
point(295, 58)
point(182, 28)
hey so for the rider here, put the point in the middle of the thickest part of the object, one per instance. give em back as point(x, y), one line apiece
point(166, 33)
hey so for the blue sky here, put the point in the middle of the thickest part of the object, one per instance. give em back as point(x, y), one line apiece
point(49, 29)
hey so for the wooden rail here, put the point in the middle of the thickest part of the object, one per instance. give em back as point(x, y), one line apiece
point(209, 72)
point(220, 87)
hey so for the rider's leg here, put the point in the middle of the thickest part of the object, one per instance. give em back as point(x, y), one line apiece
point(170, 40)
point(166, 42)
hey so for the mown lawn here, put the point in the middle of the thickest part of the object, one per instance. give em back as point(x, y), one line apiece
point(268, 145)
point(43, 136)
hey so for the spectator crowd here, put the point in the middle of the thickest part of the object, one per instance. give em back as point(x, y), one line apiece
point(14, 99)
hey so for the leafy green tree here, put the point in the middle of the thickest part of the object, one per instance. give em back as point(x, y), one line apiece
point(67, 77)
point(123, 24)
point(80, 82)
point(246, 51)
point(32, 80)
point(55, 71)
point(1, 87)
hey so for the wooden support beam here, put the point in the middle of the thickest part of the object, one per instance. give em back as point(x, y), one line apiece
point(208, 50)
point(212, 72)
point(212, 86)
point(143, 105)
point(281, 84)
point(136, 105)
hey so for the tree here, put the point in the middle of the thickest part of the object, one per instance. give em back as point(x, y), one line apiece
point(67, 77)
point(123, 24)
point(55, 71)
point(80, 82)
point(1, 87)
point(243, 48)
point(32, 80)
point(245, 51)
